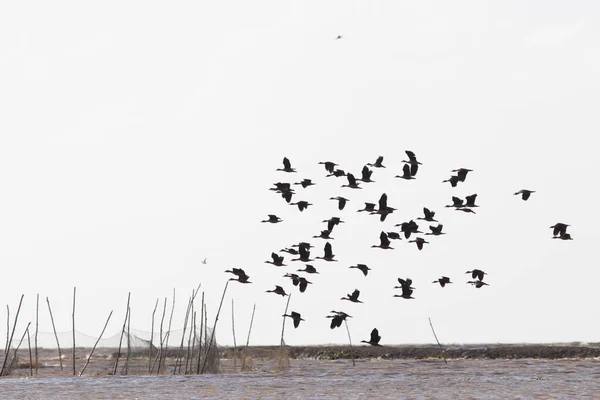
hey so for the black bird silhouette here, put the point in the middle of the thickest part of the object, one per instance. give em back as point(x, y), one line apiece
point(525, 193)
point(384, 242)
point(443, 281)
point(303, 283)
point(406, 293)
point(295, 317)
point(476, 274)
point(362, 267)
point(303, 244)
point(277, 260)
point(404, 283)
point(309, 269)
point(242, 277)
point(465, 209)
point(337, 318)
point(341, 201)
point(328, 254)
point(393, 235)
point(563, 236)
point(324, 235)
point(470, 201)
point(478, 284)
point(329, 166)
point(290, 251)
point(278, 290)
point(305, 183)
point(461, 173)
point(281, 187)
point(375, 338)
point(287, 166)
point(559, 229)
point(408, 228)
point(453, 180)
point(302, 205)
point(351, 182)
point(338, 37)
point(370, 207)
point(405, 173)
point(304, 254)
point(294, 277)
point(273, 219)
point(353, 297)
point(384, 210)
point(419, 241)
point(287, 195)
point(337, 173)
point(366, 175)
point(378, 163)
point(412, 161)
point(436, 230)
point(332, 222)
point(456, 202)
point(428, 215)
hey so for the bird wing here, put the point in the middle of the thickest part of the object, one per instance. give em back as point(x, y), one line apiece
point(411, 155)
point(355, 294)
point(286, 163)
point(351, 179)
point(328, 250)
point(406, 170)
point(375, 338)
point(379, 160)
point(383, 202)
point(413, 169)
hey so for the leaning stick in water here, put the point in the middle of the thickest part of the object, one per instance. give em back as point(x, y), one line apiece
point(95, 344)
point(438, 342)
point(55, 334)
point(212, 334)
point(122, 332)
point(350, 339)
point(9, 342)
point(283, 325)
point(248, 339)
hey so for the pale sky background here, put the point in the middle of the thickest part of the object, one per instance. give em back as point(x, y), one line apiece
point(139, 137)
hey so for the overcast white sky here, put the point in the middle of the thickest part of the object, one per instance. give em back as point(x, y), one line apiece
point(138, 138)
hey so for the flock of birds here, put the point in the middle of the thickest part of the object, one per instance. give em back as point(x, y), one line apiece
point(408, 229)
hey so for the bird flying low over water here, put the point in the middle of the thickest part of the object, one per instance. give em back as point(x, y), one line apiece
point(337, 318)
point(278, 290)
point(443, 281)
point(273, 219)
point(353, 297)
point(296, 317)
point(476, 274)
point(362, 267)
point(341, 201)
point(525, 193)
point(375, 338)
point(242, 277)
point(287, 166)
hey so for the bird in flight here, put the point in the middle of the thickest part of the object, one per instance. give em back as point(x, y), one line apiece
point(375, 338)
point(204, 261)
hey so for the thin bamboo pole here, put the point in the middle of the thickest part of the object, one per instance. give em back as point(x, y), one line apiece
point(180, 349)
point(212, 334)
point(95, 344)
point(159, 355)
point(234, 342)
point(167, 336)
point(350, 340)
point(190, 345)
point(7, 328)
point(37, 313)
point(200, 339)
point(73, 320)
point(30, 355)
point(55, 334)
point(122, 332)
point(14, 359)
point(128, 340)
point(281, 343)
point(151, 339)
point(438, 342)
point(11, 337)
point(248, 338)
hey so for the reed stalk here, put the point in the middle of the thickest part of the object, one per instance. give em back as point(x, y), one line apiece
point(200, 339)
point(9, 343)
point(55, 334)
point(95, 344)
point(14, 359)
point(30, 356)
point(151, 339)
point(281, 343)
point(350, 340)
point(438, 342)
point(212, 334)
point(234, 342)
point(35, 339)
point(122, 332)
point(128, 340)
point(248, 339)
point(73, 321)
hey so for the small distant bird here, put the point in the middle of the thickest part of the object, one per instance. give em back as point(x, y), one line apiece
point(337, 318)
point(375, 338)
point(456, 202)
point(393, 235)
point(443, 281)
point(329, 166)
point(287, 166)
point(362, 267)
point(378, 163)
point(353, 297)
point(408, 228)
point(332, 222)
point(470, 201)
point(405, 173)
point(453, 180)
point(305, 183)
point(204, 261)
point(428, 215)
point(563, 236)
point(436, 230)
point(559, 229)
point(341, 201)
point(461, 173)
point(384, 242)
point(273, 219)
point(287, 195)
point(309, 269)
point(412, 161)
point(338, 37)
point(295, 317)
point(384, 210)
point(277, 260)
point(404, 283)
point(476, 274)
point(370, 207)
point(242, 277)
point(406, 293)
point(478, 284)
point(419, 241)
point(366, 175)
point(465, 209)
point(302, 205)
point(351, 182)
point(304, 254)
point(328, 253)
point(337, 173)
point(290, 251)
point(324, 235)
point(525, 193)
point(281, 187)
point(278, 290)
point(303, 284)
